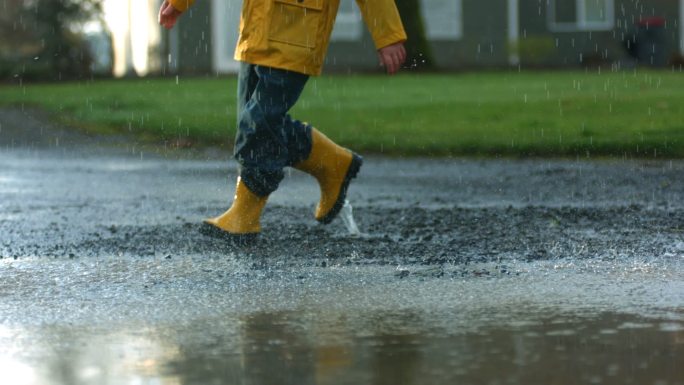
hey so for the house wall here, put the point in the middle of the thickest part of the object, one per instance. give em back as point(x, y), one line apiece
point(191, 46)
point(681, 29)
point(483, 40)
point(346, 56)
point(225, 22)
point(541, 47)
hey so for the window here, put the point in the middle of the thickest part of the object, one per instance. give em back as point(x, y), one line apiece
point(348, 22)
point(580, 15)
point(442, 19)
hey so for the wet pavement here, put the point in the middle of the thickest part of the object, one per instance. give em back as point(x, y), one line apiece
point(467, 271)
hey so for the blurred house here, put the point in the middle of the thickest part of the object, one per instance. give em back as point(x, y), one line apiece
point(462, 33)
point(137, 38)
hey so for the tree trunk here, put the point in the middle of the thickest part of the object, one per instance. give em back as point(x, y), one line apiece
point(417, 46)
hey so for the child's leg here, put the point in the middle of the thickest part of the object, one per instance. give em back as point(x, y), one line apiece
point(247, 81)
point(268, 139)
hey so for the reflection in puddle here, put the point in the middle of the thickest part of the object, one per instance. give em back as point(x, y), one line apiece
point(17, 372)
point(385, 348)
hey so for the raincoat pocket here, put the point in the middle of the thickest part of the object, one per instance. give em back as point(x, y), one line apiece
point(296, 22)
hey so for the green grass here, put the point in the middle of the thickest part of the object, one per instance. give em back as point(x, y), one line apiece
point(528, 114)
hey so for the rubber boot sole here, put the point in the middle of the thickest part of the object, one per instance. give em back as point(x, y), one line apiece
point(354, 167)
point(234, 239)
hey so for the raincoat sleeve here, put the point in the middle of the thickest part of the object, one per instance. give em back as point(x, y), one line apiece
point(383, 21)
point(181, 5)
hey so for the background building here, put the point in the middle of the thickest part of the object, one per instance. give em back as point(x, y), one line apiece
point(136, 36)
point(462, 33)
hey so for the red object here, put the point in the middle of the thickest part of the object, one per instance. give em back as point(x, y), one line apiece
point(654, 21)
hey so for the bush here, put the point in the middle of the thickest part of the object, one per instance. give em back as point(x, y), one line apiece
point(535, 50)
point(47, 43)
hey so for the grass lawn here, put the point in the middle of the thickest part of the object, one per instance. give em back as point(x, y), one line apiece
point(504, 113)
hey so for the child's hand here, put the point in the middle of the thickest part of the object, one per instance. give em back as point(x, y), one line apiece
point(168, 15)
point(392, 57)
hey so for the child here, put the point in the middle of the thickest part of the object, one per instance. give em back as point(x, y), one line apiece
point(281, 44)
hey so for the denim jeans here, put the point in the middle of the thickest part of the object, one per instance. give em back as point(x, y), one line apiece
point(268, 139)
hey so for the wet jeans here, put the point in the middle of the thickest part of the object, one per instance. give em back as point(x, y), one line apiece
point(268, 139)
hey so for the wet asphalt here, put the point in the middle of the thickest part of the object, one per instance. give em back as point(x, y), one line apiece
point(99, 238)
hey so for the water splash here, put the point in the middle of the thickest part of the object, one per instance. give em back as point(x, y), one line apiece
point(348, 219)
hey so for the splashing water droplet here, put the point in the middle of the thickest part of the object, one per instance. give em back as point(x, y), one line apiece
point(348, 219)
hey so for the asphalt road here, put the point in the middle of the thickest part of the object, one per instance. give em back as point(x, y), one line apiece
point(469, 270)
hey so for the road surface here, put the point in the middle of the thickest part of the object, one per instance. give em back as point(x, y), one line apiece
point(467, 270)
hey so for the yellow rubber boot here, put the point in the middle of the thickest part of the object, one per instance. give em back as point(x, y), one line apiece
point(240, 224)
point(334, 167)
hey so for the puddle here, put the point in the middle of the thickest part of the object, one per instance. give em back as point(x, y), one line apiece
point(177, 321)
point(373, 348)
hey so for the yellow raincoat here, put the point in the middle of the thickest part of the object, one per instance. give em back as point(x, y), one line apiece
point(294, 34)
